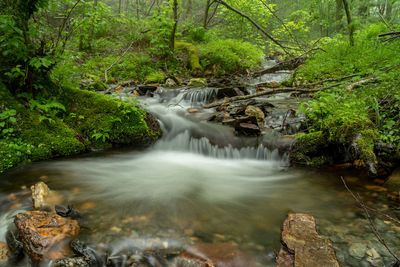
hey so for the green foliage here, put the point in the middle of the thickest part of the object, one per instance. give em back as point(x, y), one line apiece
point(88, 119)
point(365, 114)
point(230, 55)
point(156, 77)
point(7, 120)
point(193, 55)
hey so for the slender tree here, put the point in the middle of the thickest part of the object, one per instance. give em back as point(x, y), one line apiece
point(349, 22)
point(173, 34)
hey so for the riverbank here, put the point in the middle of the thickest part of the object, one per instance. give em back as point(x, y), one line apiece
point(68, 123)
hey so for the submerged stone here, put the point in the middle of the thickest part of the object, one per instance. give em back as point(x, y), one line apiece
point(4, 253)
point(214, 255)
point(45, 235)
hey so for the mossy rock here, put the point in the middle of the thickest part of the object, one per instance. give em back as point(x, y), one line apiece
point(193, 57)
point(158, 77)
point(311, 150)
point(198, 82)
point(91, 120)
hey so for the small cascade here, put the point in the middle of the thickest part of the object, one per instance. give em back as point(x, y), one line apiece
point(199, 95)
point(203, 146)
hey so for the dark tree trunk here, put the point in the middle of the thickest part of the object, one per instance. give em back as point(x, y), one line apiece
point(205, 22)
point(339, 14)
point(173, 34)
point(349, 22)
point(92, 25)
point(119, 6)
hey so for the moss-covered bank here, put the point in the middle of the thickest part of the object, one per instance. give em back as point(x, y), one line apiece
point(90, 120)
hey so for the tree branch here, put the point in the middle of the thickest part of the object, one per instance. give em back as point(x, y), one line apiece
point(256, 25)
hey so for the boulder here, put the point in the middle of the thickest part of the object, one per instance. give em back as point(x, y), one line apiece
point(4, 253)
point(256, 112)
point(214, 255)
point(45, 235)
point(197, 82)
point(300, 240)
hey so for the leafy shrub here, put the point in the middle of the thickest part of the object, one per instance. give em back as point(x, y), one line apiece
point(230, 55)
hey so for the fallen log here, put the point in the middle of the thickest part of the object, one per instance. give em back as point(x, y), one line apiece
point(271, 92)
point(284, 65)
point(310, 85)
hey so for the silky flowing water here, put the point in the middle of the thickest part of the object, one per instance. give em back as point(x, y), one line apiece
point(199, 184)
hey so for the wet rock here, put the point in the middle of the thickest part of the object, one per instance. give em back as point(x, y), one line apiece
point(193, 110)
point(40, 193)
point(197, 82)
point(301, 240)
point(229, 92)
point(4, 253)
point(256, 112)
point(66, 211)
point(247, 126)
point(71, 262)
point(43, 197)
point(81, 249)
point(146, 89)
point(14, 244)
point(214, 255)
point(358, 250)
point(170, 83)
point(45, 235)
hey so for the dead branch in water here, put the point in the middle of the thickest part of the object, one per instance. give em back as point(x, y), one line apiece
point(271, 92)
point(284, 65)
point(373, 227)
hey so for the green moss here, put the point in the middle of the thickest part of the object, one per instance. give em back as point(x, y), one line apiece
point(230, 55)
point(34, 140)
point(194, 59)
point(155, 77)
point(309, 149)
point(91, 120)
point(99, 118)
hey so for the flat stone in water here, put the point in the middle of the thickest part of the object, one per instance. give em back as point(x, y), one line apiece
point(301, 240)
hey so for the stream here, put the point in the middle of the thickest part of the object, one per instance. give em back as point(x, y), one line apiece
point(199, 184)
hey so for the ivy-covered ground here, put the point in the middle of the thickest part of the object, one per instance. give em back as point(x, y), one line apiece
point(364, 110)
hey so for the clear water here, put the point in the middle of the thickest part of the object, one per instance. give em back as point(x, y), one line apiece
point(198, 184)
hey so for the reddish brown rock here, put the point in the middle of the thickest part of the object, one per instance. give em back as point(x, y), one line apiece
point(4, 253)
point(301, 240)
point(193, 110)
point(45, 235)
point(215, 255)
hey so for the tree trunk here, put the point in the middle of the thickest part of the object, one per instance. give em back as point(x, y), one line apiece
point(175, 10)
point(389, 9)
point(119, 6)
point(138, 9)
point(349, 22)
point(92, 25)
point(339, 14)
point(205, 22)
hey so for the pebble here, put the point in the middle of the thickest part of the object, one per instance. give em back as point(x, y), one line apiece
point(357, 250)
